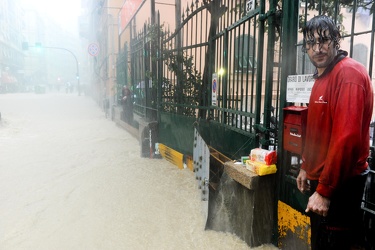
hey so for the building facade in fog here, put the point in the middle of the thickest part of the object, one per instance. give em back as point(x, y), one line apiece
point(27, 58)
point(11, 55)
point(108, 25)
point(53, 54)
point(99, 29)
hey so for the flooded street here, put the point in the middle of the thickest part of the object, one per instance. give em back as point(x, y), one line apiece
point(72, 179)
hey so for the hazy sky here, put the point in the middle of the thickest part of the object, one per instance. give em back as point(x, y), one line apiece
point(64, 12)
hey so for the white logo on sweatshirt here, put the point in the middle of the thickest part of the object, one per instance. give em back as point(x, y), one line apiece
point(321, 100)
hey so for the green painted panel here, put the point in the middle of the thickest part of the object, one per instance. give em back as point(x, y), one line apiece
point(229, 142)
point(177, 132)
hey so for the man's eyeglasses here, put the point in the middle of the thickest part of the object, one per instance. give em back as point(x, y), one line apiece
point(311, 43)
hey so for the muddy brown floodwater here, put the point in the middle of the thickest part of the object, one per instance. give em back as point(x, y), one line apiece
point(71, 179)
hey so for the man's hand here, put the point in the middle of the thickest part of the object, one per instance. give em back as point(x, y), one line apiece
point(318, 204)
point(302, 183)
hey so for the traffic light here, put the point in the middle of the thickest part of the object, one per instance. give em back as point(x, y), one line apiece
point(25, 45)
point(38, 46)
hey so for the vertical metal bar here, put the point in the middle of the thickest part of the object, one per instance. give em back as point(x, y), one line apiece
point(133, 67)
point(352, 28)
point(131, 56)
point(155, 27)
point(203, 97)
point(269, 68)
point(247, 71)
point(320, 6)
point(152, 3)
point(211, 53)
point(237, 39)
point(225, 77)
point(196, 42)
point(337, 10)
point(179, 36)
point(241, 90)
point(260, 62)
point(178, 21)
point(202, 52)
point(126, 55)
point(241, 9)
point(276, 109)
point(304, 55)
point(226, 20)
point(220, 56)
point(372, 50)
point(234, 81)
point(146, 68)
point(229, 80)
point(253, 76)
point(160, 71)
point(219, 64)
point(231, 12)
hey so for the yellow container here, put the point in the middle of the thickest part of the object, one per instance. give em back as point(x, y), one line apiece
point(260, 168)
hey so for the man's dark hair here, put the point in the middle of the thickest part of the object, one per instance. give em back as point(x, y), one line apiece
point(321, 24)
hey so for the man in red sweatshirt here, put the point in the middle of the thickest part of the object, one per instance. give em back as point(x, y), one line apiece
point(334, 167)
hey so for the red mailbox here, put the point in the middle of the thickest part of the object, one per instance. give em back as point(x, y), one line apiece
point(295, 118)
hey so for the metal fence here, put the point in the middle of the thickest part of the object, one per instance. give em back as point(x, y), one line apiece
point(219, 66)
point(213, 68)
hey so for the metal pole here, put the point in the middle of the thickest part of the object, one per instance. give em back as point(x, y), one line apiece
point(153, 11)
point(79, 89)
point(178, 21)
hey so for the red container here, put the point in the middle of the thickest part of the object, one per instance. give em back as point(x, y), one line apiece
point(295, 118)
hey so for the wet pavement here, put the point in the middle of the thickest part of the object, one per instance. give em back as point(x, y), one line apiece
point(72, 179)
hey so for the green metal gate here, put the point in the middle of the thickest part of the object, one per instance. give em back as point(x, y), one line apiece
point(218, 74)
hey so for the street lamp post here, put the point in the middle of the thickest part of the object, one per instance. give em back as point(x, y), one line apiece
point(78, 85)
point(25, 46)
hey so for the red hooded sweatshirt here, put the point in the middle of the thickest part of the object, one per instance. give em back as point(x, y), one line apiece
point(337, 133)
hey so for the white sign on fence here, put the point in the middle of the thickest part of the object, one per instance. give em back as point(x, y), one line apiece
point(299, 88)
point(250, 5)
